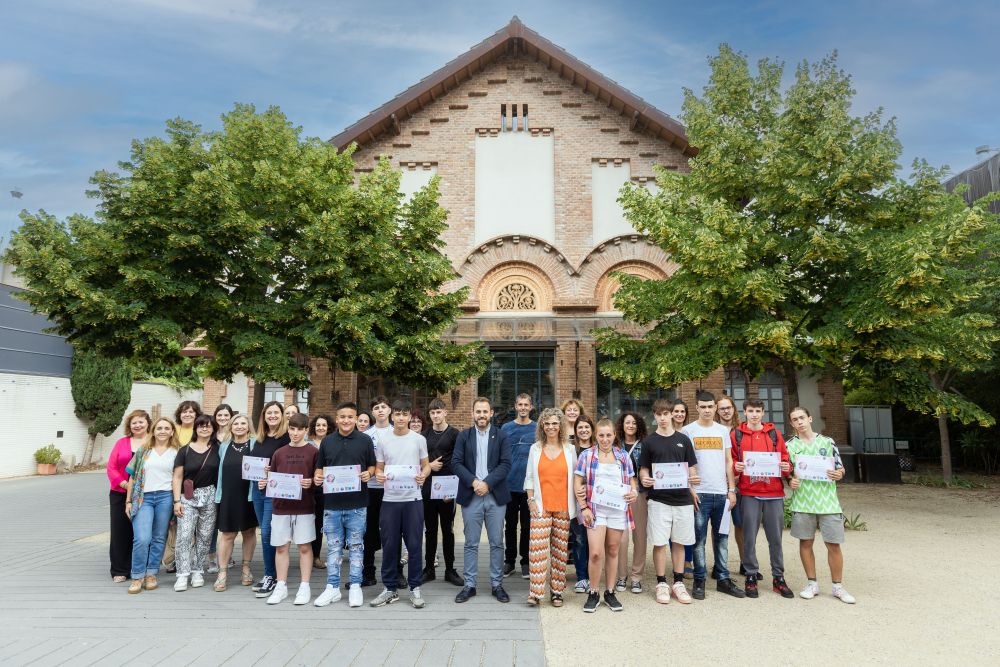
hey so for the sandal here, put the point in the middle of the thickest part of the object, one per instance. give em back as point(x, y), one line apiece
point(119, 579)
point(532, 601)
point(220, 582)
point(246, 578)
point(557, 600)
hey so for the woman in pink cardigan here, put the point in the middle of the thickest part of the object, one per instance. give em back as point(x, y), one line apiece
point(136, 427)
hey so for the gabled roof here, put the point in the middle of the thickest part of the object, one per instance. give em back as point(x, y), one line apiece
point(515, 38)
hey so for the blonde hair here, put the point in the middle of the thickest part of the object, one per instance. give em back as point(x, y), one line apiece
point(135, 414)
point(173, 442)
point(250, 431)
point(282, 428)
point(547, 414)
point(572, 401)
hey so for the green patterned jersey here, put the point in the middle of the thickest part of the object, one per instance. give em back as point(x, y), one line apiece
point(814, 497)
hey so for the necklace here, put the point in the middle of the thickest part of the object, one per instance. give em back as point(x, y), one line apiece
point(605, 451)
point(240, 446)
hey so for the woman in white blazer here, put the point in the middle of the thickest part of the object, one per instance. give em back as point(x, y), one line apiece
point(548, 482)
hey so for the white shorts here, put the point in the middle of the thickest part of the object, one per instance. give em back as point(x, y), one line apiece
point(669, 523)
point(297, 528)
point(612, 519)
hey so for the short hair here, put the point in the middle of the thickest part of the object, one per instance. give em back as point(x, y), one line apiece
point(572, 401)
point(204, 419)
point(347, 405)
point(604, 422)
point(482, 399)
point(250, 431)
point(298, 420)
point(135, 414)
point(379, 400)
point(282, 424)
point(799, 407)
point(436, 404)
point(183, 407)
point(401, 405)
point(548, 413)
point(524, 396)
point(312, 423)
point(704, 396)
point(662, 405)
point(640, 426)
point(753, 403)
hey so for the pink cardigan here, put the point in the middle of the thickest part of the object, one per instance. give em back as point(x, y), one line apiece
point(121, 454)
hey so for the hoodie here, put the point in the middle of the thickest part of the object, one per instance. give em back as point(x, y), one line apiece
point(768, 439)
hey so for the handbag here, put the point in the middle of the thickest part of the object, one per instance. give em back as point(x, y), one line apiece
point(187, 486)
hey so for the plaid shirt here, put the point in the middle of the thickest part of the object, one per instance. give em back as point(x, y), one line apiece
point(586, 467)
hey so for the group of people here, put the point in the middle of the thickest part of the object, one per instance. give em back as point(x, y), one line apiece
point(580, 492)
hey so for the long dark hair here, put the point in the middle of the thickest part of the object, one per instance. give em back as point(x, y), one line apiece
point(640, 426)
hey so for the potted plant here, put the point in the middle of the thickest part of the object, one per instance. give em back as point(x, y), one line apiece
point(47, 457)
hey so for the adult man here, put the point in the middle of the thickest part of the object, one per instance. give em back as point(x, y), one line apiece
point(482, 463)
point(716, 495)
point(761, 496)
point(440, 449)
point(373, 539)
point(521, 435)
point(345, 512)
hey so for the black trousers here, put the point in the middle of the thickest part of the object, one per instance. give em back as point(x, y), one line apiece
point(439, 512)
point(402, 522)
point(373, 537)
point(318, 542)
point(517, 509)
point(120, 550)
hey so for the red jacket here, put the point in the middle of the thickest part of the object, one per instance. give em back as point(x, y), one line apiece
point(746, 440)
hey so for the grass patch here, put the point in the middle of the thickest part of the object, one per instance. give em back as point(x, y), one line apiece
point(855, 522)
point(937, 482)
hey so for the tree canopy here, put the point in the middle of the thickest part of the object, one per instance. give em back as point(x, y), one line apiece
point(101, 391)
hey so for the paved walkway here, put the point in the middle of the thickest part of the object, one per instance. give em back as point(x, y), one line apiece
point(60, 607)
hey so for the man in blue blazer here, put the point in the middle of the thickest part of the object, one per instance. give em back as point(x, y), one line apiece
point(482, 461)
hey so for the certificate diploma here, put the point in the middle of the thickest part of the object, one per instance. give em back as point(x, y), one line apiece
point(341, 479)
point(284, 486)
point(401, 478)
point(253, 468)
point(762, 464)
point(444, 487)
point(670, 476)
point(610, 494)
point(813, 467)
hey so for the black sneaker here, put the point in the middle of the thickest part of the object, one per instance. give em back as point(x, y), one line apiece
point(268, 584)
point(524, 571)
point(698, 592)
point(778, 585)
point(508, 569)
point(750, 588)
point(743, 570)
point(612, 601)
point(593, 602)
point(368, 581)
point(453, 578)
point(260, 584)
point(429, 574)
point(729, 588)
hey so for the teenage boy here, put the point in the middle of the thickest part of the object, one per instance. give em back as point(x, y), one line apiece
point(716, 495)
point(761, 497)
point(402, 508)
point(437, 511)
point(482, 463)
point(294, 520)
point(670, 511)
point(521, 435)
point(373, 539)
point(815, 506)
point(345, 512)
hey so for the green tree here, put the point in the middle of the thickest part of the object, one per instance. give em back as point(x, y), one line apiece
point(256, 243)
point(101, 390)
point(799, 246)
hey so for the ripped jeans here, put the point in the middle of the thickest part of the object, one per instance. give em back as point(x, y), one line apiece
point(340, 527)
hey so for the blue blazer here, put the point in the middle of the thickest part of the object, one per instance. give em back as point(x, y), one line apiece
point(463, 464)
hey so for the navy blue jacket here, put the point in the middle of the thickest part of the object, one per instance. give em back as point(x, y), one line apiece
point(463, 464)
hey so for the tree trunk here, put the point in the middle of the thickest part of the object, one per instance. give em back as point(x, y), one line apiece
point(88, 452)
point(792, 391)
point(258, 402)
point(945, 448)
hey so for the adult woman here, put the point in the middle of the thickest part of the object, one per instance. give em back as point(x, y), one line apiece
point(222, 416)
point(151, 471)
point(572, 409)
point(184, 420)
point(136, 427)
point(678, 414)
point(604, 464)
point(291, 409)
point(729, 417)
point(547, 482)
point(364, 422)
point(319, 426)
point(630, 430)
point(272, 429)
point(232, 495)
point(196, 471)
point(578, 533)
point(417, 421)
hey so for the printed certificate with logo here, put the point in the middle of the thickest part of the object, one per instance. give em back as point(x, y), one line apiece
point(610, 494)
point(284, 486)
point(762, 464)
point(401, 478)
point(253, 468)
point(444, 487)
point(670, 476)
point(813, 467)
point(341, 479)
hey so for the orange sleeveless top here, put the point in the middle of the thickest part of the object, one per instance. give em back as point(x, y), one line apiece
point(553, 478)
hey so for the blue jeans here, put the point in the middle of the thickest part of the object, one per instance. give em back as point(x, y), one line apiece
point(711, 507)
point(149, 531)
point(480, 510)
point(262, 508)
point(581, 550)
point(342, 526)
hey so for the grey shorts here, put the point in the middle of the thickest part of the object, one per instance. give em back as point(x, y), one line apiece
point(830, 526)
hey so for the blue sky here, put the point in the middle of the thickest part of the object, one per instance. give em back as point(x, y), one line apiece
point(79, 81)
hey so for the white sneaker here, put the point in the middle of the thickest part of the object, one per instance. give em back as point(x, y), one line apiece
point(330, 594)
point(839, 592)
point(355, 597)
point(279, 593)
point(182, 583)
point(416, 599)
point(582, 586)
point(810, 591)
point(304, 594)
point(197, 580)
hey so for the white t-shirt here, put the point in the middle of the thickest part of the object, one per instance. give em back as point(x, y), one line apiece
point(159, 471)
point(403, 450)
point(375, 432)
point(710, 445)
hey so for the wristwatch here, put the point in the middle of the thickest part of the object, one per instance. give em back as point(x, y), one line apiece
point(732, 490)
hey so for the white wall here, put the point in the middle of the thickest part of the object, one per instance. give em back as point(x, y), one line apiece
point(238, 393)
point(606, 180)
point(33, 409)
point(810, 399)
point(515, 186)
point(412, 179)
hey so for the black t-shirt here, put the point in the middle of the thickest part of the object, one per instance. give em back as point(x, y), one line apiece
point(676, 448)
point(267, 446)
point(439, 445)
point(355, 449)
point(191, 461)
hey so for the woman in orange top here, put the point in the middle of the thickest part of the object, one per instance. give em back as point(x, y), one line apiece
point(548, 482)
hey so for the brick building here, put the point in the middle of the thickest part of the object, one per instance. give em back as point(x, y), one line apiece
point(532, 146)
